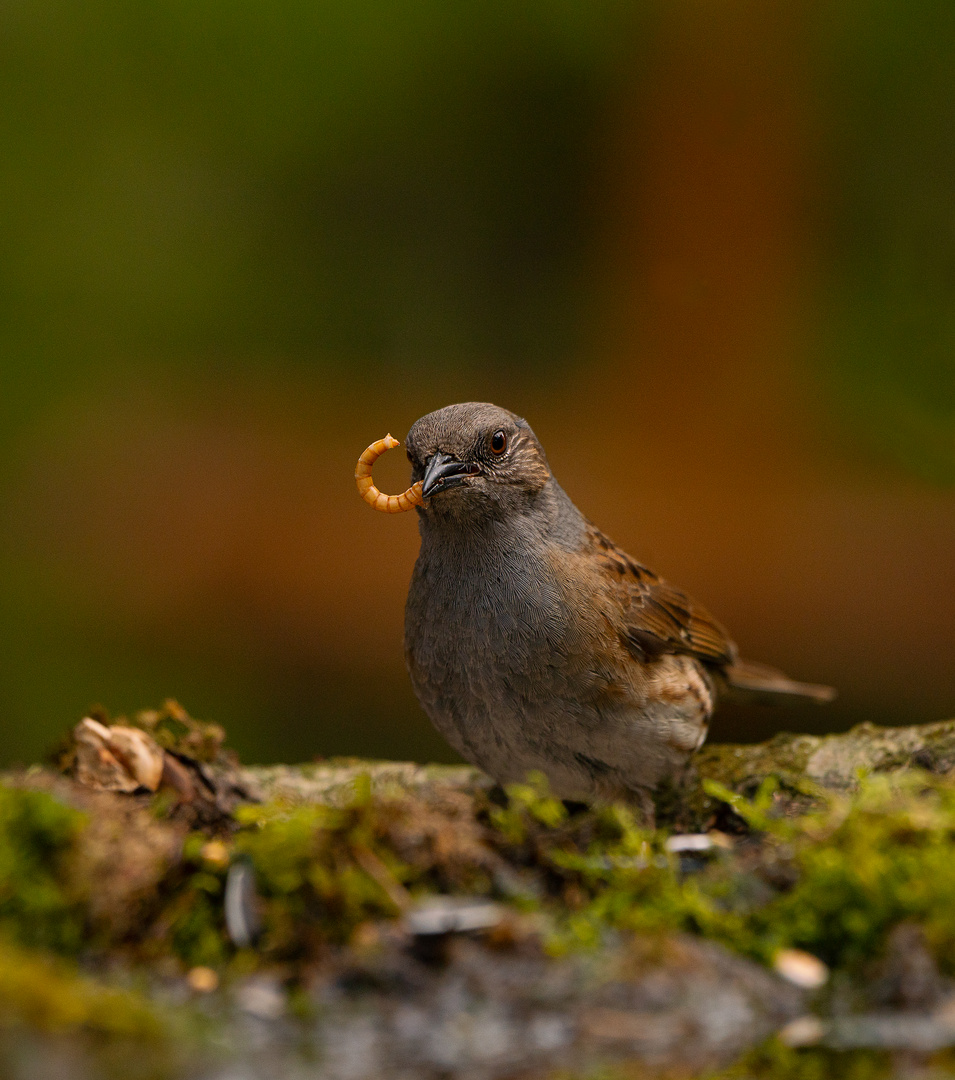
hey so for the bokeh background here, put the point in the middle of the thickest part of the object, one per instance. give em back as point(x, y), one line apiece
point(706, 248)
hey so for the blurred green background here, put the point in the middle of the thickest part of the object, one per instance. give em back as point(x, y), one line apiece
point(707, 249)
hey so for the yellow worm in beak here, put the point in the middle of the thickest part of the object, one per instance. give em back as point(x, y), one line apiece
point(387, 504)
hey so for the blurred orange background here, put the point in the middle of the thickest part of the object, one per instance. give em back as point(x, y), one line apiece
point(706, 249)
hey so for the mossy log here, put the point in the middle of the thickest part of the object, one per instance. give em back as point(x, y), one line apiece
point(421, 917)
point(834, 762)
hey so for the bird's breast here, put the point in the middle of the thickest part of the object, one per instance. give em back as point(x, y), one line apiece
point(485, 625)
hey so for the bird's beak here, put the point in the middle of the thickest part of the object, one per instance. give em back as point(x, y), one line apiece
point(444, 471)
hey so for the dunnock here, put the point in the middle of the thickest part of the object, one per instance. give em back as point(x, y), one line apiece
point(534, 642)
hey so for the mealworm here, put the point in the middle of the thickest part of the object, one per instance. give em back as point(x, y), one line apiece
point(387, 504)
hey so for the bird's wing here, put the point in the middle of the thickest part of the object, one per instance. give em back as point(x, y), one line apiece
point(658, 617)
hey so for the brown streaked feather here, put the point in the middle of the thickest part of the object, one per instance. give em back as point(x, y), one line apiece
point(749, 681)
point(658, 617)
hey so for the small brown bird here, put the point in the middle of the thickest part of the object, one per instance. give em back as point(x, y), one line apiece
point(534, 642)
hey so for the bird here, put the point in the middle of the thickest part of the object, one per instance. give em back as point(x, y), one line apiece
point(535, 644)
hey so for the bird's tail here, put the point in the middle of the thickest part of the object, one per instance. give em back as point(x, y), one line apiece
point(748, 681)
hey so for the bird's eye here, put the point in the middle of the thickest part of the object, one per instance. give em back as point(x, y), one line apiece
point(499, 442)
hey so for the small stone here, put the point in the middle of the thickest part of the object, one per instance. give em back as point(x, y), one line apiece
point(261, 998)
point(689, 842)
point(216, 853)
point(96, 765)
point(89, 727)
point(802, 969)
point(550, 1032)
point(944, 1013)
point(140, 754)
point(241, 903)
point(803, 1031)
point(452, 915)
point(365, 936)
point(116, 758)
point(203, 980)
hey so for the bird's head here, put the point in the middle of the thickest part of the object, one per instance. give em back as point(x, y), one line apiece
point(475, 460)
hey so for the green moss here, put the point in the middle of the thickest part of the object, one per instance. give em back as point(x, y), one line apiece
point(773, 1061)
point(784, 756)
point(528, 804)
point(174, 729)
point(833, 881)
point(39, 900)
point(865, 864)
point(46, 888)
point(322, 870)
point(193, 914)
point(46, 993)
